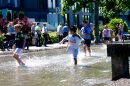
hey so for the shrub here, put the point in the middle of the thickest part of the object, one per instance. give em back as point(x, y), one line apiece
point(100, 27)
point(53, 36)
point(14, 15)
point(1, 15)
point(54, 39)
point(115, 21)
point(129, 31)
point(2, 37)
point(42, 39)
point(8, 15)
point(21, 15)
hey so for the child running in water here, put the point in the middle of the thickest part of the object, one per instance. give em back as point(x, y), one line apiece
point(19, 44)
point(73, 43)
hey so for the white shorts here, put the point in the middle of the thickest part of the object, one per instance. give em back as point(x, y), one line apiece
point(72, 51)
point(18, 51)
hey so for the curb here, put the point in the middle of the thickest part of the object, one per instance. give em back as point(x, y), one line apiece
point(34, 50)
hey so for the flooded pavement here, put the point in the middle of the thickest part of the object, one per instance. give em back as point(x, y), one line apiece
point(56, 68)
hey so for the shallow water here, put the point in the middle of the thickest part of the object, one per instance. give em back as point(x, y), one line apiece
point(56, 68)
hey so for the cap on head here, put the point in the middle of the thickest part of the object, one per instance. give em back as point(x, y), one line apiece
point(44, 23)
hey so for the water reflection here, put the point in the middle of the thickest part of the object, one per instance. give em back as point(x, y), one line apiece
point(56, 68)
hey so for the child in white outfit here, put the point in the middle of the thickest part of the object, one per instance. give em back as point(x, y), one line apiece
point(73, 43)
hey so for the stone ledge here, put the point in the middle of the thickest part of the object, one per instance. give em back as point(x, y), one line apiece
point(34, 50)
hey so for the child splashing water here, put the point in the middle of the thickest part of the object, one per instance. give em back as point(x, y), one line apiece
point(19, 44)
point(73, 43)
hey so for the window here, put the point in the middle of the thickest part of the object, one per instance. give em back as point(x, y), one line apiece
point(21, 3)
point(85, 9)
point(74, 6)
point(75, 19)
point(41, 3)
point(100, 10)
point(52, 4)
point(66, 19)
point(57, 4)
point(85, 17)
point(49, 3)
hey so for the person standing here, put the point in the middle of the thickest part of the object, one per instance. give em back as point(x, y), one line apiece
point(85, 33)
point(116, 32)
point(59, 32)
point(33, 38)
point(33, 29)
point(45, 34)
point(65, 30)
point(106, 34)
point(120, 32)
point(38, 32)
point(19, 44)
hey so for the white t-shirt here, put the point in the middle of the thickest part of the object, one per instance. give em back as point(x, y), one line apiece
point(106, 33)
point(73, 41)
point(59, 30)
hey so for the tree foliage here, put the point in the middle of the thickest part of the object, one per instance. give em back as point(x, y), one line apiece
point(14, 15)
point(80, 4)
point(112, 8)
point(8, 15)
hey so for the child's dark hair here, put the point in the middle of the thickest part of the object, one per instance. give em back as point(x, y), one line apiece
point(73, 28)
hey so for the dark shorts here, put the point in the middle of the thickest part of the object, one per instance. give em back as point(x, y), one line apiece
point(87, 42)
point(106, 38)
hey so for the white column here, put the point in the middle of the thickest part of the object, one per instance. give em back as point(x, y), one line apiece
point(15, 1)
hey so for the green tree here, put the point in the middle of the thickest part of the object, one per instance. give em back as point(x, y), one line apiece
point(112, 8)
point(8, 15)
point(21, 15)
point(1, 15)
point(84, 4)
point(14, 15)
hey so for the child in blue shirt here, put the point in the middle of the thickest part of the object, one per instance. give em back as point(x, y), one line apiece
point(19, 44)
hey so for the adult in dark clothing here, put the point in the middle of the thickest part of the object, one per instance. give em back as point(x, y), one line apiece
point(65, 30)
point(45, 34)
point(116, 32)
point(38, 32)
point(116, 29)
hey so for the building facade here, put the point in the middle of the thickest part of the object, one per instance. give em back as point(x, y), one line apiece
point(45, 11)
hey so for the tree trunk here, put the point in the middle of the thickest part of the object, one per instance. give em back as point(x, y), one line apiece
point(97, 38)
